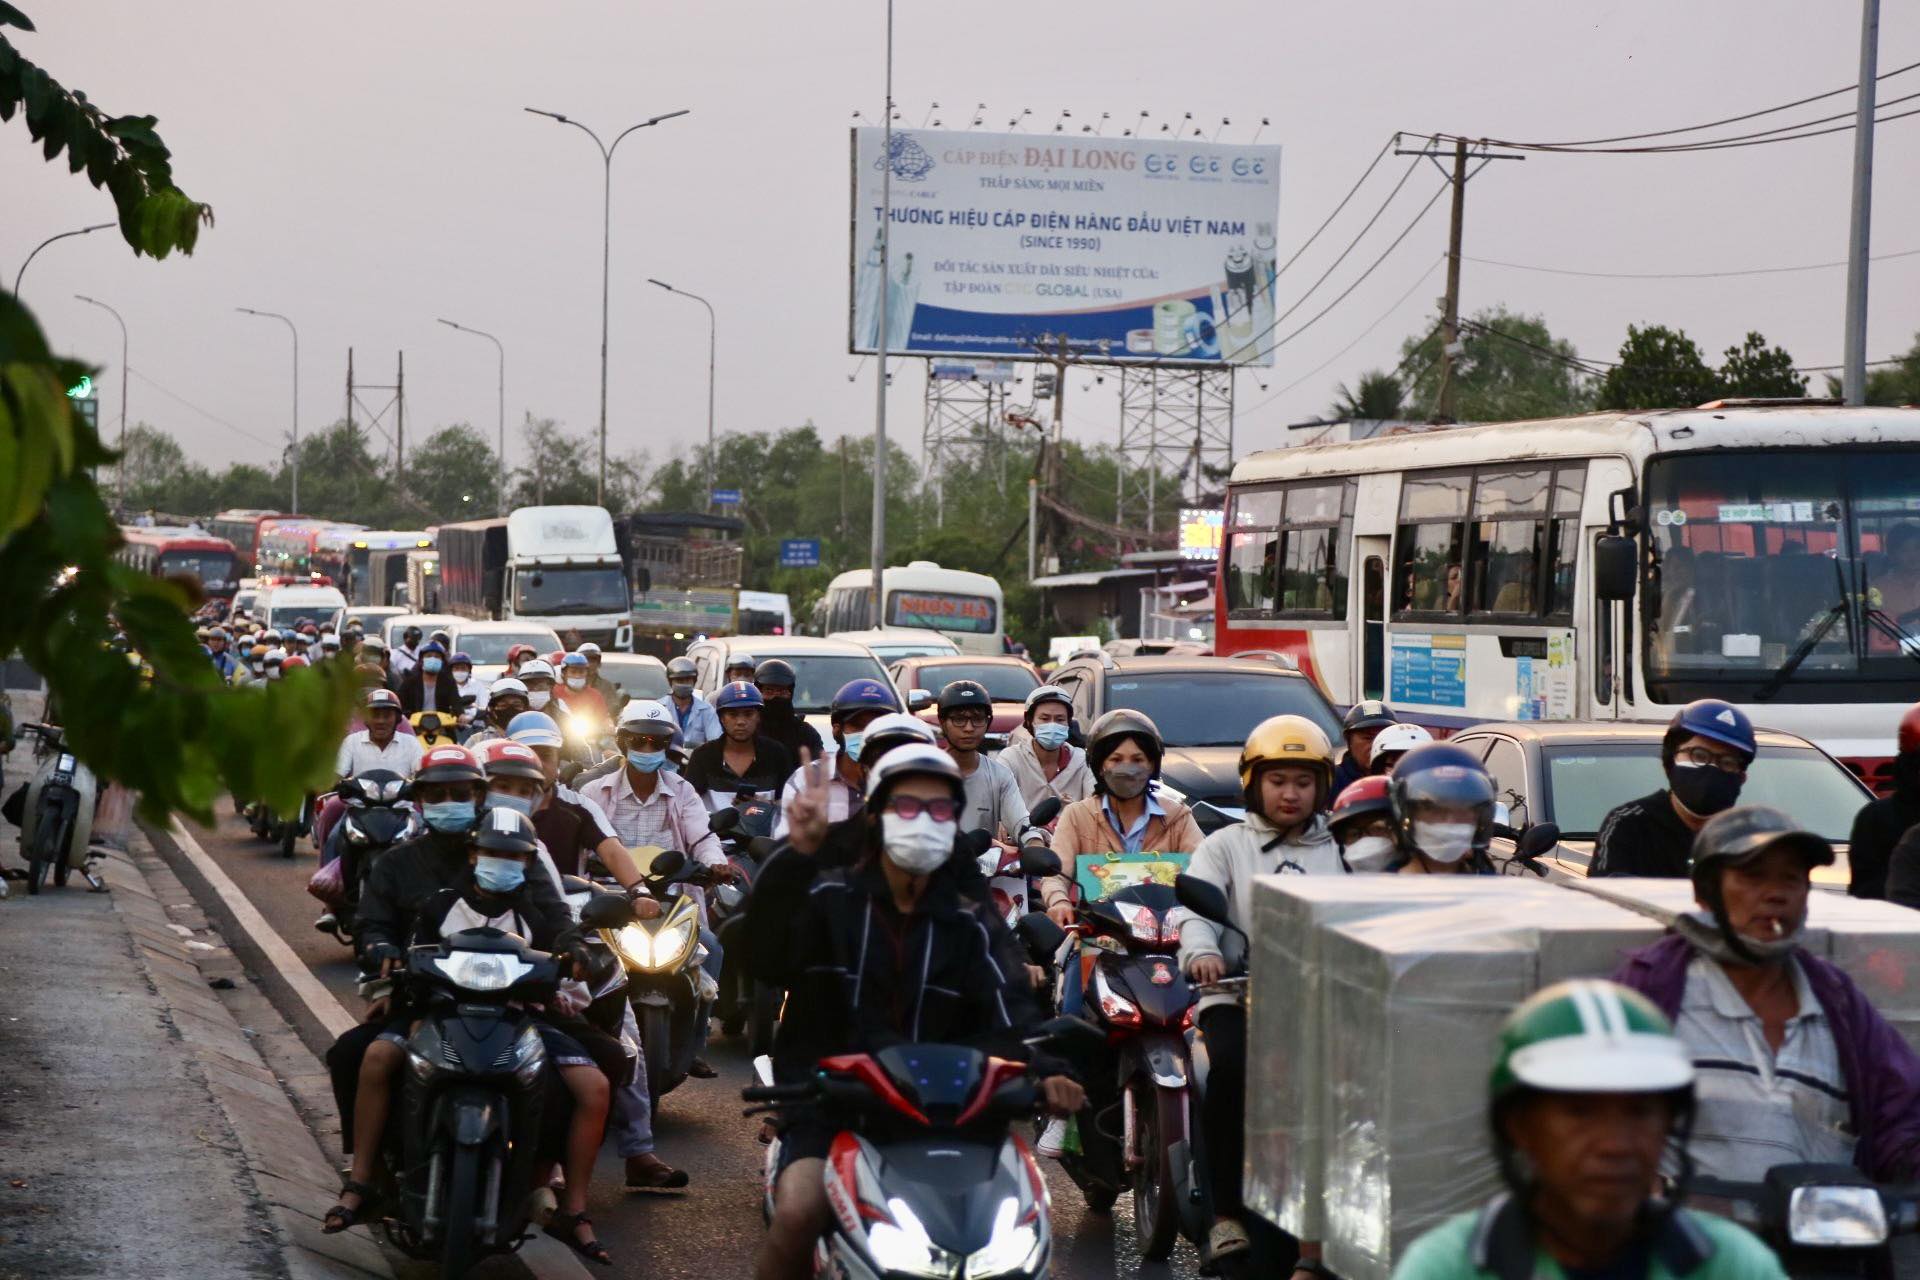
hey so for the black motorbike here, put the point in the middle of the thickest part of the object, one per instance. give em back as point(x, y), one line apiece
point(286, 830)
point(745, 830)
point(473, 1100)
point(1136, 1134)
point(1820, 1219)
point(378, 816)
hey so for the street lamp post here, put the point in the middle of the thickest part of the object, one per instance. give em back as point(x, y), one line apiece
point(606, 259)
point(122, 482)
point(712, 338)
point(503, 405)
point(22, 274)
point(275, 315)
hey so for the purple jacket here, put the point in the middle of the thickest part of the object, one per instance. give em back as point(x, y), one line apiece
point(1882, 1072)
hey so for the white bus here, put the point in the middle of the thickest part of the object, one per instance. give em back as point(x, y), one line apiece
point(962, 606)
point(1768, 553)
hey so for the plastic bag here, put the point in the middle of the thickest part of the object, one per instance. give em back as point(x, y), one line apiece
point(329, 884)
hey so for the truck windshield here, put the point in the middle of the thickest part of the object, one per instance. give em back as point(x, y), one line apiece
point(601, 589)
point(1786, 560)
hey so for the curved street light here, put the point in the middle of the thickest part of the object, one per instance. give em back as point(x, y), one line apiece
point(122, 481)
point(275, 315)
point(502, 457)
point(22, 275)
point(712, 328)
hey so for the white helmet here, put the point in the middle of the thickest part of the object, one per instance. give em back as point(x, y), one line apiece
point(535, 667)
point(895, 729)
point(1400, 737)
point(920, 758)
point(644, 715)
point(506, 684)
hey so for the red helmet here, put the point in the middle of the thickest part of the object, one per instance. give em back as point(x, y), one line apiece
point(294, 660)
point(519, 651)
point(449, 763)
point(506, 758)
point(1910, 729)
point(1361, 799)
point(557, 657)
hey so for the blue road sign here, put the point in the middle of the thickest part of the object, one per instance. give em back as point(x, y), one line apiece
point(800, 553)
point(726, 497)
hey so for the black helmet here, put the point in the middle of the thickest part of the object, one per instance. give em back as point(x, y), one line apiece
point(505, 831)
point(1740, 835)
point(776, 672)
point(958, 695)
point(1123, 722)
point(1370, 714)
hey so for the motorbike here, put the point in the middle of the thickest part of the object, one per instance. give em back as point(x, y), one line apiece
point(1820, 1219)
point(467, 1133)
point(927, 1177)
point(434, 728)
point(1137, 1134)
point(57, 819)
point(1009, 878)
point(743, 1004)
point(379, 815)
point(671, 994)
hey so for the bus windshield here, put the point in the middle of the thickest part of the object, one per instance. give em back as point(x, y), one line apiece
point(562, 590)
point(214, 569)
point(1795, 572)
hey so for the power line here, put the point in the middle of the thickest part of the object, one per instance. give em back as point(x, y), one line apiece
point(1577, 361)
point(1709, 144)
point(1374, 164)
point(1682, 275)
point(205, 413)
point(1384, 316)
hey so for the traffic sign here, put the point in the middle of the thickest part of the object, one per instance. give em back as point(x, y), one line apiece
point(726, 497)
point(799, 553)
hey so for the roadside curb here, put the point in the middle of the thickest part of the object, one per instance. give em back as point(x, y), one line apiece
point(293, 1176)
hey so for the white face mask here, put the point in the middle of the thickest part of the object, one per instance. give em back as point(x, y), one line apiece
point(538, 700)
point(1446, 842)
point(917, 845)
point(576, 682)
point(1370, 853)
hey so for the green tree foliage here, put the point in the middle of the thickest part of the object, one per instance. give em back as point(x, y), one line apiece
point(1894, 384)
point(1510, 368)
point(454, 472)
point(1378, 398)
point(162, 723)
point(1755, 369)
point(562, 467)
point(1660, 368)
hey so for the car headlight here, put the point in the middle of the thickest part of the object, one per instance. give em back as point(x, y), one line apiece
point(482, 970)
point(1836, 1217)
point(529, 1057)
point(903, 1247)
point(1012, 1249)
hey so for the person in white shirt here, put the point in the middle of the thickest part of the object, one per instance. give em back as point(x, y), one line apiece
point(379, 745)
point(405, 654)
point(994, 803)
point(1041, 760)
point(698, 723)
point(460, 666)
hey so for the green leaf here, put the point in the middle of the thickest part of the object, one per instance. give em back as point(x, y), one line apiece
point(12, 17)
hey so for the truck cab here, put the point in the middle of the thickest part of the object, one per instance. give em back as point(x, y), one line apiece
point(557, 566)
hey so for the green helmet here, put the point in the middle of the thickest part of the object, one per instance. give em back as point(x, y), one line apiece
point(1589, 1036)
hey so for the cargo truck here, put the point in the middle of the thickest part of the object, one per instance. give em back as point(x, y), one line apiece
point(559, 566)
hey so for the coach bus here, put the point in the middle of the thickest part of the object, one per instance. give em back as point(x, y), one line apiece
point(241, 527)
point(288, 546)
point(346, 554)
point(964, 607)
point(1606, 566)
point(169, 551)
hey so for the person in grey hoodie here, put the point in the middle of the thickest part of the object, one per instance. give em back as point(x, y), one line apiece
point(1286, 776)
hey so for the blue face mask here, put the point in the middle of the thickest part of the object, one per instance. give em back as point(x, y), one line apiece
point(498, 875)
point(449, 816)
point(519, 804)
point(647, 761)
point(1050, 735)
point(853, 742)
point(430, 665)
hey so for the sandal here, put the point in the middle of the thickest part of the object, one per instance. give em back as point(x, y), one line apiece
point(348, 1215)
point(562, 1226)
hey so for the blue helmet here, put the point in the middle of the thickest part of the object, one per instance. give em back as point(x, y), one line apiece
point(535, 729)
point(1710, 718)
point(574, 660)
point(737, 693)
point(1438, 773)
point(864, 694)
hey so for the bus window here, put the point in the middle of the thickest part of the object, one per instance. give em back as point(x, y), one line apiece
point(1308, 579)
point(1505, 556)
point(1253, 560)
point(1429, 574)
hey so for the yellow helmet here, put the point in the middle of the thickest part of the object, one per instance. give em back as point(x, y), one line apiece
point(1292, 740)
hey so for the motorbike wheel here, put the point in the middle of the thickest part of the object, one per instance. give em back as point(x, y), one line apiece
point(289, 833)
point(459, 1249)
point(1156, 1216)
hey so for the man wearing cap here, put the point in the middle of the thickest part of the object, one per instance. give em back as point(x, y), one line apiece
point(1705, 754)
point(699, 722)
point(379, 745)
point(1795, 1064)
point(994, 802)
point(223, 661)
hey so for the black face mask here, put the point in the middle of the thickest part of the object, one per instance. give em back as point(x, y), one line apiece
point(1703, 789)
point(777, 709)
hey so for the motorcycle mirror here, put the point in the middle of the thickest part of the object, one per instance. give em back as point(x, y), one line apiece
point(667, 864)
point(1044, 812)
point(1038, 860)
point(723, 821)
point(976, 842)
point(918, 700)
point(1043, 937)
point(1204, 898)
point(1538, 839)
point(1210, 818)
point(1064, 1032)
point(607, 911)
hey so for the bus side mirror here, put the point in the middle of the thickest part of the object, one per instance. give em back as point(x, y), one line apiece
point(1613, 566)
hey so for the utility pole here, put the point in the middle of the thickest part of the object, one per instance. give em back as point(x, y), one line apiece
point(1450, 307)
point(1853, 375)
point(878, 555)
point(400, 419)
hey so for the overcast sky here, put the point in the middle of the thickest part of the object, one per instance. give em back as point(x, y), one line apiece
point(371, 169)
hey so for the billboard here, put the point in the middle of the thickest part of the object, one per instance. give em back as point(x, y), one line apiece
point(1131, 249)
point(1200, 532)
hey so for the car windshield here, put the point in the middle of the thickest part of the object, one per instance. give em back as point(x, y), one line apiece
point(636, 679)
point(1005, 682)
point(1218, 709)
point(325, 616)
point(560, 590)
point(489, 648)
point(818, 676)
point(1584, 782)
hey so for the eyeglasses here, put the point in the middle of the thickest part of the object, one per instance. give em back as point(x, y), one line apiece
point(1724, 761)
point(649, 742)
point(942, 809)
point(967, 719)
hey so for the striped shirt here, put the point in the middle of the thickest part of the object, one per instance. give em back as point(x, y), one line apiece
point(1756, 1108)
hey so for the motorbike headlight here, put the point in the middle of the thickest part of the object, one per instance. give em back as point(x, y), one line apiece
point(653, 952)
point(482, 970)
point(1836, 1217)
point(529, 1057)
point(902, 1246)
point(65, 763)
point(1013, 1248)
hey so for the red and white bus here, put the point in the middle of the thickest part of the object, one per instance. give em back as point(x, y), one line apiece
point(288, 545)
point(241, 527)
point(168, 551)
point(1775, 563)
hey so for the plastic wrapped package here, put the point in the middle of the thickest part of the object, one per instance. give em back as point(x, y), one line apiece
point(1284, 1156)
point(1877, 944)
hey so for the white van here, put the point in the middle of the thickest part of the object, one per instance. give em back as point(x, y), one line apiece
point(282, 607)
